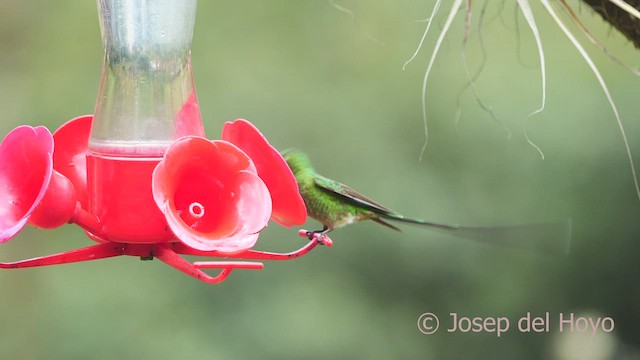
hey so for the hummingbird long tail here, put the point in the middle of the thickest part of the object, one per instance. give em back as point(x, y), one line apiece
point(551, 237)
point(408, 220)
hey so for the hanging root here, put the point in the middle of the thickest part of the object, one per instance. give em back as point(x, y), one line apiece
point(528, 15)
point(471, 79)
point(452, 14)
point(626, 7)
point(603, 85)
point(623, 15)
point(352, 15)
point(593, 40)
point(428, 20)
point(525, 8)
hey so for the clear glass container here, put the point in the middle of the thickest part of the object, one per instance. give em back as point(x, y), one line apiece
point(146, 100)
point(147, 96)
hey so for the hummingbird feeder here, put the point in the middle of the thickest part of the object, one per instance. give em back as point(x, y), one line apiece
point(139, 176)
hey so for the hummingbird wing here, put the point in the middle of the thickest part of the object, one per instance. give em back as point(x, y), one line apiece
point(351, 196)
point(355, 198)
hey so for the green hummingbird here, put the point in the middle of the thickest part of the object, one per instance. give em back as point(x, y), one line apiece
point(335, 205)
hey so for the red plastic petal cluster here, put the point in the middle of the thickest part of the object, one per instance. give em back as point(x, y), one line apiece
point(215, 195)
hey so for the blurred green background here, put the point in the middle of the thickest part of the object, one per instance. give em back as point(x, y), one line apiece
point(311, 77)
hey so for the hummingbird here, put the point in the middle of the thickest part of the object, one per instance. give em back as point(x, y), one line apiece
point(335, 205)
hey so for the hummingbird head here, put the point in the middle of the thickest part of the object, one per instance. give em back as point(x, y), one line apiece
point(297, 161)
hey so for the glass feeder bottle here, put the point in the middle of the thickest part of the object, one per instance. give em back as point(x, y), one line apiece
point(146, 100)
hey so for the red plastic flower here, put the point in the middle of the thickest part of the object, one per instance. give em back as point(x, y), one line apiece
point(30, 190)
point(218, 195)
point(211, 195)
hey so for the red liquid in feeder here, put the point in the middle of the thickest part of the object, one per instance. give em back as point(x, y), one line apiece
point(122, 199)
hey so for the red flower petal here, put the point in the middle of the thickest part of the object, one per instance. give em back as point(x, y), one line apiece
point(25, 172)
point(189, 121)
point(69, 156)
point(211, 196)
point(288, 206)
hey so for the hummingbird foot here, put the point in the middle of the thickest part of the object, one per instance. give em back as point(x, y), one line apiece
point(312, 234)
point(323, 239)
point(317, 235)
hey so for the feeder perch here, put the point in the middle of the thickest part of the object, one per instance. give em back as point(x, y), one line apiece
point(139, 176)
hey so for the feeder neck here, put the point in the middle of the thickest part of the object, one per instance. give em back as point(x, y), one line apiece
point(147, 97)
